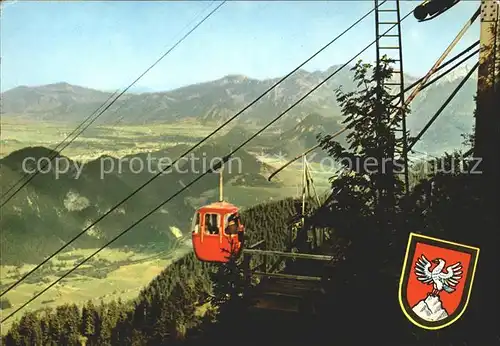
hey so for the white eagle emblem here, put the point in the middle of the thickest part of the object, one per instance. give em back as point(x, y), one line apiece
point(441, 280)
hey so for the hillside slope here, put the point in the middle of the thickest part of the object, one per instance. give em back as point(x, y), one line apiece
point(58, 204)
point(163, 310)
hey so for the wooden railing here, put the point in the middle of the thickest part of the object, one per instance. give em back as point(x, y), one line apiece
point(261, 270)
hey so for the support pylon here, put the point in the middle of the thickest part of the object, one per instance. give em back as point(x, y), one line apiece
point(388, 13)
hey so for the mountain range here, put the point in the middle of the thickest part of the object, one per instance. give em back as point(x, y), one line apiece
point(216, 101)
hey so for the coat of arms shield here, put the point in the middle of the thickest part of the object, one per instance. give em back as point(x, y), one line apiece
point(436, 280)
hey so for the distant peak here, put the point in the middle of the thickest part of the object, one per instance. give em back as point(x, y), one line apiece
point(17, 88)
point(234, 78)
point(58, 85)
point(301, 71)
point(62, 84)
point(459, 73)
point(34, 152)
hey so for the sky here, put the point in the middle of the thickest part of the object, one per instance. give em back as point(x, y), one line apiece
point(107, 45)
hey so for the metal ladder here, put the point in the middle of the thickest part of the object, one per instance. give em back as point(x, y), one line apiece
point(387, 14)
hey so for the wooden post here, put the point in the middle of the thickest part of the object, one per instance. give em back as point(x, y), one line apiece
point(304, 183)
point(221, 196)
point(265, 254)
point(321, 232)
point(312, 184)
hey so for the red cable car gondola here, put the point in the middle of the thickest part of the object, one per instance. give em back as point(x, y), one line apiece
point(217, 231)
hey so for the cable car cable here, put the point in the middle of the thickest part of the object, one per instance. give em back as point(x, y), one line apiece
point(442, 66)
point(211, 170)
point(450, 70)
point(30, 177)
point(187, 152)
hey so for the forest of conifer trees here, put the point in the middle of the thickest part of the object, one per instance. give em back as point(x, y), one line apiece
point(171, 307)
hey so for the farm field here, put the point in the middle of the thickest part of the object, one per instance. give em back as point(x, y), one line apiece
point(114, 140)
point(114, 274)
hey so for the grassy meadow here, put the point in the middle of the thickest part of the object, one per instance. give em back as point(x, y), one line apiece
point(114, 273)
point(115, 140)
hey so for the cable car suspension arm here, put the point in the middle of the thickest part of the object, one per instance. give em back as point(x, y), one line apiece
point(443, 106)
point(443, 56)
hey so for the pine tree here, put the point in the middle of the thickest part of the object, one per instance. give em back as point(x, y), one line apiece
point(30, 329)
point(55, 327)
point(165, 327)
point(103, 325)
point(45, 326)
point(89, 319)
point(13, 337)
point(122, 332)
point(113, 314)
point(64, 325)
point(364, 197)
